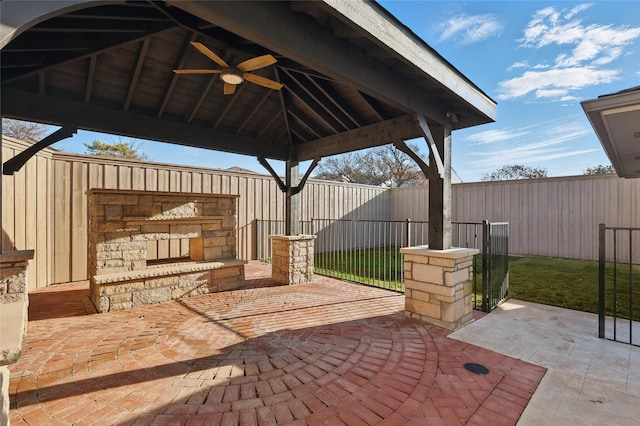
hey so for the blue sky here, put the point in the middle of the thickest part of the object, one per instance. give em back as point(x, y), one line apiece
point(537, 59)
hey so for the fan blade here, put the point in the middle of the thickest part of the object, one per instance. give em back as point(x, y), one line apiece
point(197, 71)
point(262, 81)
point(209, 54)
point(229, 89)
point(256, 63)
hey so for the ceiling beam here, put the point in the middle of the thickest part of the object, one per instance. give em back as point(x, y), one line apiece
point(23, 105)
point(275, 26)
point(382, 133)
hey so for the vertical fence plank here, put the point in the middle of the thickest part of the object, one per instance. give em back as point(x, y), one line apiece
point(79, 215)
point(61, 222)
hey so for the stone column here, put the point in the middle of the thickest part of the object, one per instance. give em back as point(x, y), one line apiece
point(14, 304)
point(438, 286)
point(292, 258)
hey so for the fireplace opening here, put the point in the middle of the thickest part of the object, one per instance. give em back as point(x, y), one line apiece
point(174, 250)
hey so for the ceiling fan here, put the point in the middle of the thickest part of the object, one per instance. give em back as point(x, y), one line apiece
point(232, 76)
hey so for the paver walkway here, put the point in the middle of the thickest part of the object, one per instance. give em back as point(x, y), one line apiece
point(328, 352)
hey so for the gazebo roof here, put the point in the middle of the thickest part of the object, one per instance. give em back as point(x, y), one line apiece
point(353, 75)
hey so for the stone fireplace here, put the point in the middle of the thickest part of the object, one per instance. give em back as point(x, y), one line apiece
point(150, 247)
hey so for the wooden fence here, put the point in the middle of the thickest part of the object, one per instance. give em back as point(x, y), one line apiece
point(44, 206)
point(556, 217)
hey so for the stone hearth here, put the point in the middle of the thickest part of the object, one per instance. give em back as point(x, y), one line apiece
point(150, 247)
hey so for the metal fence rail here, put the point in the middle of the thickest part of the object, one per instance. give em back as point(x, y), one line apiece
point(618, 281)
point(368, 251)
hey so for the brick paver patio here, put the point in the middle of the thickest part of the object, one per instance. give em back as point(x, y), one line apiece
point(328, 352)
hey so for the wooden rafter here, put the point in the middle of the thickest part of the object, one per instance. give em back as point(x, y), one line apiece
point(311, 101)
point(136, 73)
point(252, 113)
point(91, 75)
point(191, 36)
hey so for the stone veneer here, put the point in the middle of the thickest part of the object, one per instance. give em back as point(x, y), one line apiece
point(292, 258)
point(121, 223)
point(14, 304)
point(438, 286)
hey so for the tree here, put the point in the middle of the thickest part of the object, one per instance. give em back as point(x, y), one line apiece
point(119, 149)
point(600, 170)
point(514, 172)
point(382, 166)
point(23, 130)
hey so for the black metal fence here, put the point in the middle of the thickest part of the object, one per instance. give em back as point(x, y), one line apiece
point(368, 251)
point(495, 264)
point(618, 284)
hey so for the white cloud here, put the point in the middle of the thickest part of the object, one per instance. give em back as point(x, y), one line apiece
point(579, 8)
point(546, 141)
point(526, 156)
point(469, 29)
point(587, 49)
point(557, 82)
point(515, 65)
point(493, 136)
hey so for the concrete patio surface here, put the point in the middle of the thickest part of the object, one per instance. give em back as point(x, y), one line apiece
point(327, 352)
point(590, 381)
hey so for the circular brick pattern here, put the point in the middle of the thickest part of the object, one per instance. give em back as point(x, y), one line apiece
point(326, 352)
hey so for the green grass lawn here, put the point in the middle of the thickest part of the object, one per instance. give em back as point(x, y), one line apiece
point(566, 283)
point(379, 267)
point(571, 284)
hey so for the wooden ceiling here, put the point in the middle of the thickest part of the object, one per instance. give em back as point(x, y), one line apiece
point(108, 67)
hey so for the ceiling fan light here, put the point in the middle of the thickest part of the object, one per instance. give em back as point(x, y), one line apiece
point(231, 76)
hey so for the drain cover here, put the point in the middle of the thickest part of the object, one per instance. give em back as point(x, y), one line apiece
point(476, 368)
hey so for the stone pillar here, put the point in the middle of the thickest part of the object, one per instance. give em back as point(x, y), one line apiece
point(292, 258)
point(14, 304)
point(438, 285)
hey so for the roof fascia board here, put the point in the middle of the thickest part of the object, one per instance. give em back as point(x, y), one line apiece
point(596, 108)
point(395, 36)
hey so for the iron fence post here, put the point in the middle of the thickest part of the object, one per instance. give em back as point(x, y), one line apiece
point(408, 233)
point(601, 266)
point(486, 247)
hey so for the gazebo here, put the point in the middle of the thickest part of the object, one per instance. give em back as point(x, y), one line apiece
point(288, 81)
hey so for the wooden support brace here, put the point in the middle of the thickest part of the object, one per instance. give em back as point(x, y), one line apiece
point(273, 173)
point(402, 146)
point(303, 181)
point(14, 164)
point(296, 189)
point(426, 132)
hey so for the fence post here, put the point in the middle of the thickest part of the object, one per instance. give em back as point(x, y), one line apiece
point(407, 232)
point(486, 249)
point(601, 266)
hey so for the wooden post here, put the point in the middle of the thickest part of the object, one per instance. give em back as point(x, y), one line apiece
point(440, 191)
point(292, 198)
